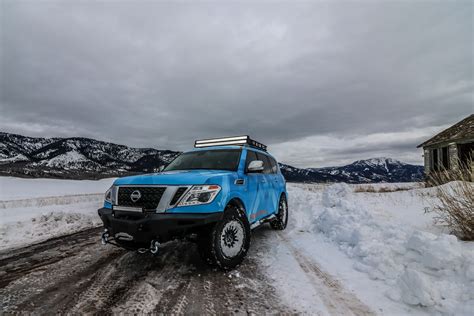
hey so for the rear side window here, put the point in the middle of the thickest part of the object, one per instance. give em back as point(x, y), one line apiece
point(267, 168)
point(251, 156)
point(273, 164)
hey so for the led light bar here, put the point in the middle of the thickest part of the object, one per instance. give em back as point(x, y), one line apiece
point(234, 140)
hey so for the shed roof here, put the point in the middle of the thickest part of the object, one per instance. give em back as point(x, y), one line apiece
point(461, 130)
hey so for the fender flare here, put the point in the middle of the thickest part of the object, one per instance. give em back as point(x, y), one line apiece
point(237, 201)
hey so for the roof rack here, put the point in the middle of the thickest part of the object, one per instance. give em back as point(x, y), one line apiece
point(244, 140)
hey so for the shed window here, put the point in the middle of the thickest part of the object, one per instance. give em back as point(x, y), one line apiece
point(466, 154)
point(434, 161)
point(445, 158)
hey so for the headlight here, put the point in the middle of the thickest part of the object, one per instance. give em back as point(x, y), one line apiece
point(109, 195)
point(200, 194)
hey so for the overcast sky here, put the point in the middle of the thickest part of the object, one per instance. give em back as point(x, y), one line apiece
point(321, 83)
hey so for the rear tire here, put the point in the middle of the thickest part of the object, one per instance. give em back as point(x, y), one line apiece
point(281, 220)
point(225, 244)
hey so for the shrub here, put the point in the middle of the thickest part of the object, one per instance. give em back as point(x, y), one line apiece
point(454, 206)
point(380, 189)
point(364, 188)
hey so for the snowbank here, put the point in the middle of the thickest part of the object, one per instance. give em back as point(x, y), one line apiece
point(33, 210)
point(421, 268)
point(45, 226)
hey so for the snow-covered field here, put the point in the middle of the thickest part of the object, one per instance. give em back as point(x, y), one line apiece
point(379, 249)
point(12, 188)
point(33, 210)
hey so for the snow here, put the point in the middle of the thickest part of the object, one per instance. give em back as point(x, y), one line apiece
point(47, 223)
point(389, 238)
point(67, 159)
point(12, 188)
point(381, 247)
point(379, 161)
point(295, 291)
point(46, 153)
point(19, 157)
point(33, 210)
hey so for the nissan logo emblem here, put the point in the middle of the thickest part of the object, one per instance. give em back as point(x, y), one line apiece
point(135, 196)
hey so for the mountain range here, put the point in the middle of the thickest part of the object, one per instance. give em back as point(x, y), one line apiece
point(85, 158)
point(75, 157)
point(361, 171)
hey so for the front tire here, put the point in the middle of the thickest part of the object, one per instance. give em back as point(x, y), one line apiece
point(226, 243)
point(281, 220)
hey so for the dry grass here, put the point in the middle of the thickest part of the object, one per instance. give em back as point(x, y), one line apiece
point(381, 189)
point(454, 206)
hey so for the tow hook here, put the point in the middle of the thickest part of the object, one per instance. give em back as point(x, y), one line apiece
point(105, 237)
point(154, 247)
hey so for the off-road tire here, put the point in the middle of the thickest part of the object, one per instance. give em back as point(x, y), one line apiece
point(281, 220)
point(225, 244)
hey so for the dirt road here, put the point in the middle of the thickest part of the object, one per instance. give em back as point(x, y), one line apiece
point(76, 274)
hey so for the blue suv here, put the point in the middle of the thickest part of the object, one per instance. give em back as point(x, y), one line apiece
point(215, 194)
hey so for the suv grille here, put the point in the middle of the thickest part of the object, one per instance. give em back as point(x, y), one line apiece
point(149, 196)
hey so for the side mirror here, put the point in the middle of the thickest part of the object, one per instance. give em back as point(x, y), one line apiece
point(255, 166)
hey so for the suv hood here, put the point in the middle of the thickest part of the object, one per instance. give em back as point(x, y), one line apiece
point(179, 177)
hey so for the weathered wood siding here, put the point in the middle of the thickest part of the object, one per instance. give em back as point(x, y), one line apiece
point(453, 156)
point(427, 156)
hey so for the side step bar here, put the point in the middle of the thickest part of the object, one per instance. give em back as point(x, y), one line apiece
point(262, 221)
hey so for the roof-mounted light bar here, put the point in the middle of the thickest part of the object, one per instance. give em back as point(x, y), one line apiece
point(235, 140)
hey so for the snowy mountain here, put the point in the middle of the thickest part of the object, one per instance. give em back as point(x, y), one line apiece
point(361, 171)
point(377, 170)
point(75, 157)
point(294, 174)
point(84, 158)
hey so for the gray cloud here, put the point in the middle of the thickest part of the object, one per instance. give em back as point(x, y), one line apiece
point(294, 76)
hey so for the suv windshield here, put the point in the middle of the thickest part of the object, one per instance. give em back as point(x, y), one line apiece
point(222, 159)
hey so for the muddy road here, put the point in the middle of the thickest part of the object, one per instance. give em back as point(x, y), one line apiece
point(76, 274)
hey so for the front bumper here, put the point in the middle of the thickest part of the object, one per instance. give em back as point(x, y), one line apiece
point(145, 227)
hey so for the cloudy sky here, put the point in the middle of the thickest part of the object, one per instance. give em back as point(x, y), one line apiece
point(321, 83)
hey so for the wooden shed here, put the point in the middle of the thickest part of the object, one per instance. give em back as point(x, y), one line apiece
point(451, 149)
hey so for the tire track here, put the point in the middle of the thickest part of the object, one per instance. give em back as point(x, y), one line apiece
point(75, 274)
point(17, 263)
point(187, 289)
point(120, 283)
point(203, 290)
point(12, 255)
point(58, 297)
point(49, 274)
point(337, 299)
